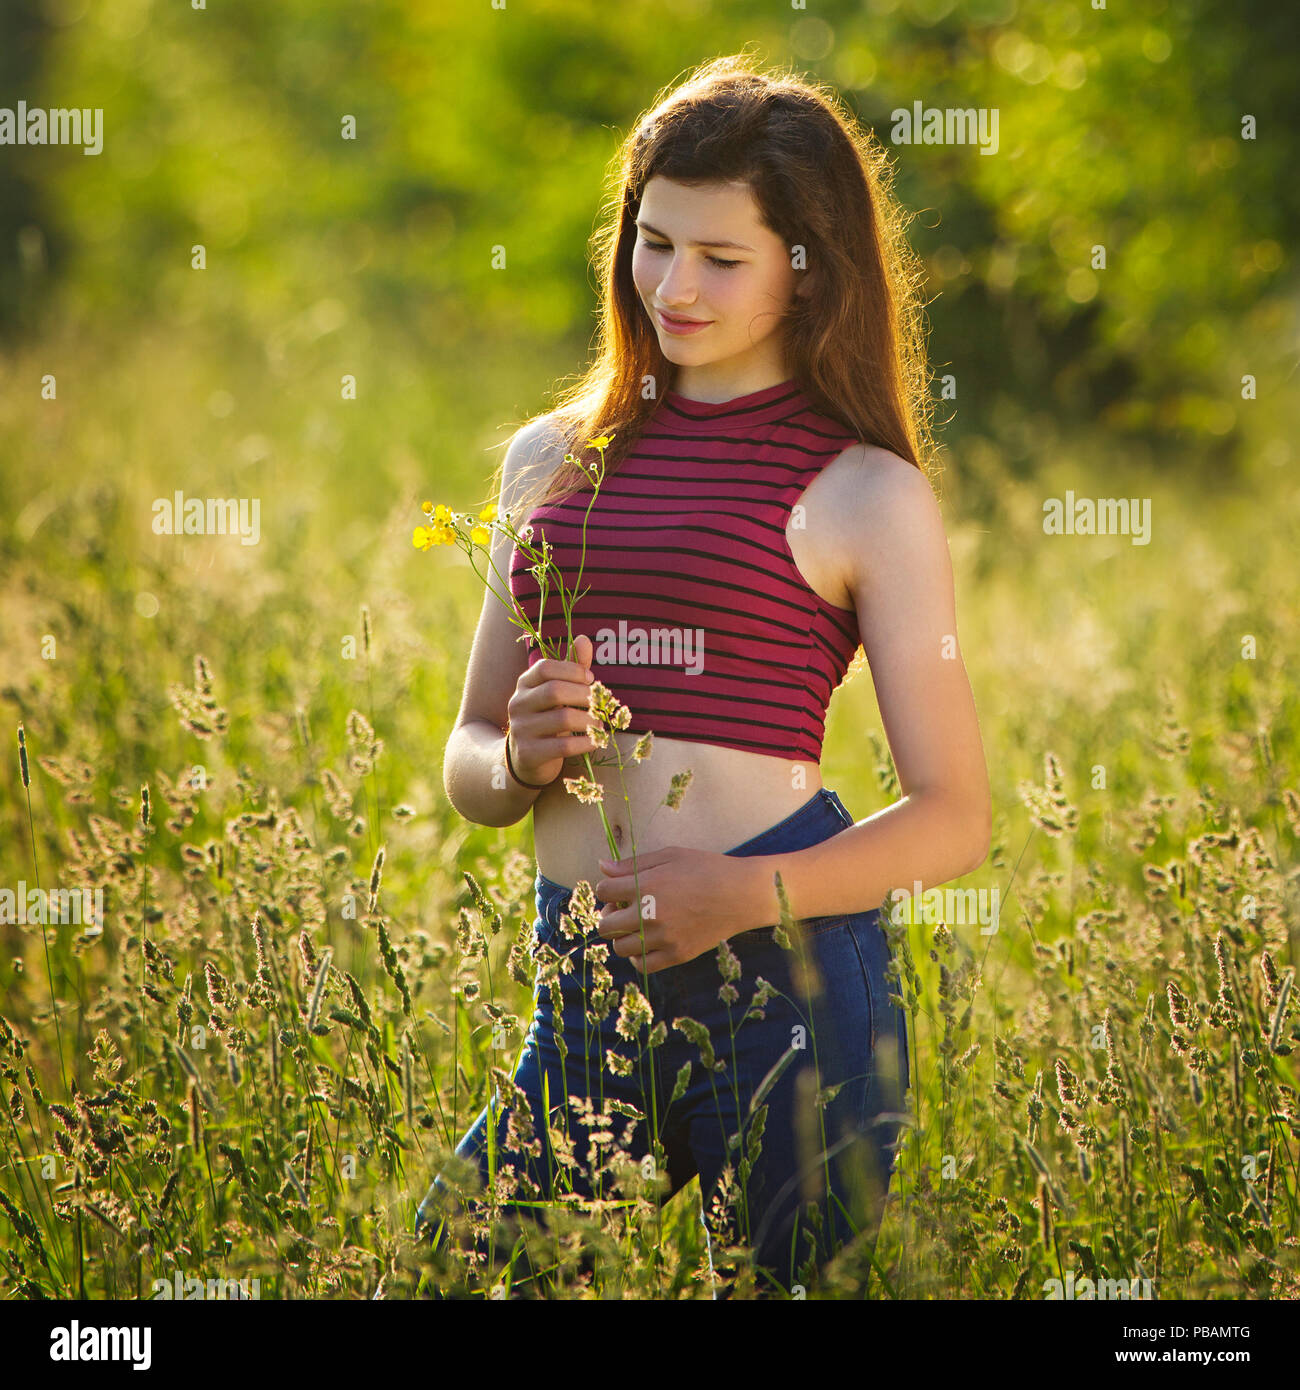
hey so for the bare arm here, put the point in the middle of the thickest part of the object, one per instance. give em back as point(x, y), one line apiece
point(902, 585)
point(475, 776)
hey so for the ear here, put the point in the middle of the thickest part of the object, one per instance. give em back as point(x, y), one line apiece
point(807, 282)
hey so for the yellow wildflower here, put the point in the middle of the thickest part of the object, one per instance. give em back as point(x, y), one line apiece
point(440, 533)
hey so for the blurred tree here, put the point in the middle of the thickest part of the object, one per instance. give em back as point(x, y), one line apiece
point(23, 249)
point(459, 214)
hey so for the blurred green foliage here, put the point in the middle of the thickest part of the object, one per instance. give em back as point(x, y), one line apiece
point(479, 128)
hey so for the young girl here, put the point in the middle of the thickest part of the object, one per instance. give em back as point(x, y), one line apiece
point(763, 511)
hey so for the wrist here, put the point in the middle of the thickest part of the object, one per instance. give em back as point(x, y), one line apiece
point(754, 893)
point(535, 787)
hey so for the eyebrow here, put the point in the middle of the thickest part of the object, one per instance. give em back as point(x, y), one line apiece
point(654, 231)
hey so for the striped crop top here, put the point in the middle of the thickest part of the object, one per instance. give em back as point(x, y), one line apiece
point(699, 618)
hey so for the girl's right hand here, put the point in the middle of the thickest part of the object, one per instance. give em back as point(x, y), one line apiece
point(549, 714)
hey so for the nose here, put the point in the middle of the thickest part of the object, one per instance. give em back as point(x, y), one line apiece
point(675, 289)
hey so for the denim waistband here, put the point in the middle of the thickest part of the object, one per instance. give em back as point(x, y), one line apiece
point(820, 817)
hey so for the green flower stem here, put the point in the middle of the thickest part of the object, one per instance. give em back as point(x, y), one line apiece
point(542, 565)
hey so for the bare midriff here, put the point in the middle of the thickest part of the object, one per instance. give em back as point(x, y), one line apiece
point(733, 796)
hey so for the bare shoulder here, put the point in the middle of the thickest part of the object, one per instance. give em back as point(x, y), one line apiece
point(880, 515)
point(533, 454)
point(874, 493)
point(865, 469)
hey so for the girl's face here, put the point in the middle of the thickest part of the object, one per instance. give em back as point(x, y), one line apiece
point(740, 292)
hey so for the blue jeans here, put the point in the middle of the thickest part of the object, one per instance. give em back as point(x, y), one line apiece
point(847, 1035)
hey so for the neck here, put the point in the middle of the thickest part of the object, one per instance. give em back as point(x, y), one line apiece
point(716, 386)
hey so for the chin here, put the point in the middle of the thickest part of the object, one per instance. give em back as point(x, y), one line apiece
point(684, 348)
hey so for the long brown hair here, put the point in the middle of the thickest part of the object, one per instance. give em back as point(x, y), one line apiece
point(854, 344)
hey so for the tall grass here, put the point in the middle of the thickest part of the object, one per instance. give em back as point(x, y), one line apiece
point(311, 971)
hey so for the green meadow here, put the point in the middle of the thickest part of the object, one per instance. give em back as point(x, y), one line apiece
point(309, 967)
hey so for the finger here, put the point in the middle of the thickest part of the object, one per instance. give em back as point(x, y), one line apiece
point(648, 964)
point(567, 694)
point(620, 889)
point(616, 921)
point(569, 678)
point(621, 884)
point(560, 719)
point(631, 947)
point(648, 860)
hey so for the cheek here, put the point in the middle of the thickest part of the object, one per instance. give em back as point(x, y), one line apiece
point(746, 299)
point(732, 295)
point(643, 275)
point(731, 289)
point(780, 286)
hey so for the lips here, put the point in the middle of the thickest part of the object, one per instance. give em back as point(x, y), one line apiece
point(670, 324)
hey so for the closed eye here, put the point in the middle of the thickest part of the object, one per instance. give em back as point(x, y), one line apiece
point(663, 246)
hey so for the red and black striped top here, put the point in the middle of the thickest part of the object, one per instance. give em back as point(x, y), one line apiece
point(700, 620)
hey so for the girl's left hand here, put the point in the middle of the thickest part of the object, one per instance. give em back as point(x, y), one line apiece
point(695, 898)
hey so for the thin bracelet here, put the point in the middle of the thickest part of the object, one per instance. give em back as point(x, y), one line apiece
point(536, 786)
